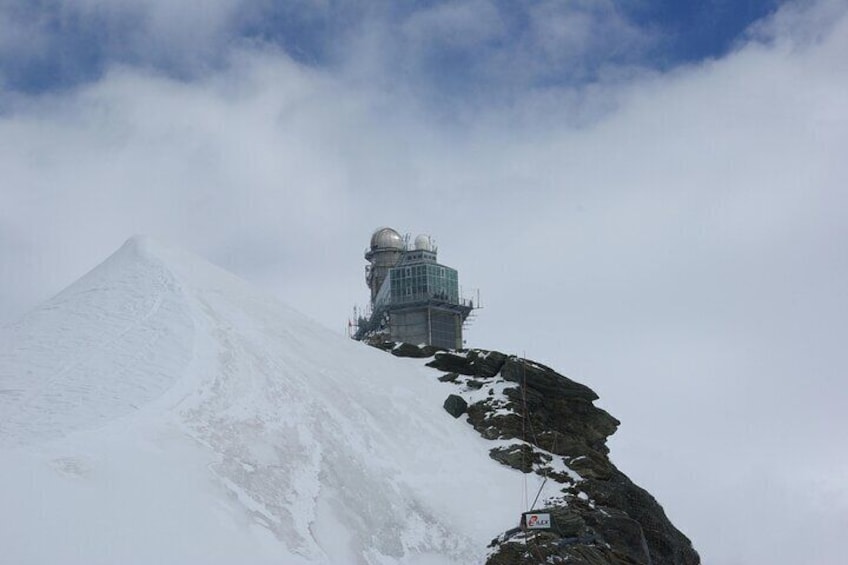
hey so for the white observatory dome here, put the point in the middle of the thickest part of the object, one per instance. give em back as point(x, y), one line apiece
point(423, 243)
point(386, 238)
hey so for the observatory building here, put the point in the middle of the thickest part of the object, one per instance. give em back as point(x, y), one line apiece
point(414, 298)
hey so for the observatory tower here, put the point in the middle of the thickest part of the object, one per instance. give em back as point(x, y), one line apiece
point(387, 247)
point(414, 298)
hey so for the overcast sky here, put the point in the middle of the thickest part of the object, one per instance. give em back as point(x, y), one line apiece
point(650, 196)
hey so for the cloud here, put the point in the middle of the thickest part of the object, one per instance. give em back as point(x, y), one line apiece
point(61, 43)
point(486, 47)
point(461, 25)
point(485, 51)
point(675, 240)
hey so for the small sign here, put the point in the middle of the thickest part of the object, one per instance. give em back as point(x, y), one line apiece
point(537, 521)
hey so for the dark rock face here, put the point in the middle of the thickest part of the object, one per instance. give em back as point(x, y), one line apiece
point(519, 456)
point(417, 351)
point(476, 362)
point(455, 405)
point(555, 430)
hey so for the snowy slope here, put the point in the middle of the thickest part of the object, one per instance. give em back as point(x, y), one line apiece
point(161, 410)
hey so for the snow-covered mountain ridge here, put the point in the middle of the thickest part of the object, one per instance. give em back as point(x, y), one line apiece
point(542, 423)
point(162, 410)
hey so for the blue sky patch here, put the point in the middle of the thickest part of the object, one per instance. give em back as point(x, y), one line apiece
point(452, 47)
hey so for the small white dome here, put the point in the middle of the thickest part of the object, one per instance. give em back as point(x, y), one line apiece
point(423, 243)
point(386, 238)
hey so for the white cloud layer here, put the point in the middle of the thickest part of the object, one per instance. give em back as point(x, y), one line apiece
point(675, 241)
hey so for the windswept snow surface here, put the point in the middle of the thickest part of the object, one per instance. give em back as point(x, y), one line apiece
point(160, 410)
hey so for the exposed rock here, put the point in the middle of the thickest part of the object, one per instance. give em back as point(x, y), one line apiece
point(544, 380)
point(476, 362)
point(455, 405)
point(474, 384)
point(381, 342)
point(591, 465)
point(667, 544)
point(550, 548)
point(601, 517)
point(416, 351)
point(519, 456)
point(449, 378)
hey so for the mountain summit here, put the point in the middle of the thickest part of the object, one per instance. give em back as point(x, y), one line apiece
point(162, 410)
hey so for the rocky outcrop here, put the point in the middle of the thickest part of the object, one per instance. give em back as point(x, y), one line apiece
point(475, 362)
point(552, 428)
point(455, 405)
